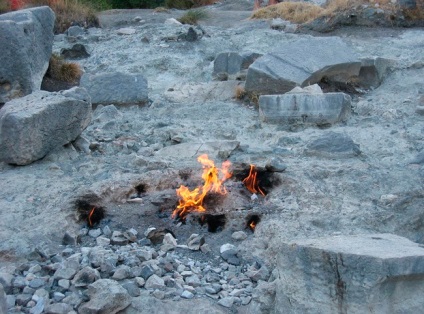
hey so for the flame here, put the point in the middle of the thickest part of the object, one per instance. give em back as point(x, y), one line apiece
point(252, 225)
point(213, 182)
point(89, 216)
point(251, 182)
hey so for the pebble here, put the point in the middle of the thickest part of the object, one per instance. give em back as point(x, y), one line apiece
point(239, 235)
point(187, 295)
point(94, 233)
point(226, 302)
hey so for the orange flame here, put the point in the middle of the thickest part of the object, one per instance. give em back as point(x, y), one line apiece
point(251, 182)
point(252, 225)
point(193, 200)
point(89, 216)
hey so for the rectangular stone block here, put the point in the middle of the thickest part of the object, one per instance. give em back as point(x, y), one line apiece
point(376, 273)
point(319, 109)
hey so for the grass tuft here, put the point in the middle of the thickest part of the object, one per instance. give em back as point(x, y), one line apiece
point(240, 92)
point(193, 16)
point(64, 71)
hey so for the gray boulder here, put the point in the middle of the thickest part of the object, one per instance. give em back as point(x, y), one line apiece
point(106, 296)
point(32, 126)
point(3, 303)
point(374, 70)
point(302, 62)
point(319, 109)
point(333, 144)
point(230, 63)
point(26, 38)
point(377, 273)
point(116, 88)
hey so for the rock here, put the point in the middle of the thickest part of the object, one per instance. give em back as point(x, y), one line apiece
point(27, 41)
point(228, 64)
point(70, 238)
point(168, 243)
point(78, 51)
point(187, 295)
point(311, 89)
point(275, 164)
point(302, 62)
point(117, 88)
point(239, 235)
point(32, 126)
point(64, 283)
point(58, 308)
point(85, 276)
point(195, 241)
point(37, 283)
point(64, 273)
point(118, 238)
point(94, 233)
point(419, 159)
point(304, 109)
point(154, 282)
point(229, 254)
point(126, 31)
point(226, 302)
point(6, 280)
point(172, 21)
point(333, 144)
point(373, 71)
point(75, 31)
point(3, 302)
point(191, 35)
point(122, 272)
point(377, 273)
point(106, 296)
point(258, 272)
point(420, 110)
point(102, 241)
point(202, 92)
point(190, 150)
point(193, 281)
point(132, 288)
point(146, 272)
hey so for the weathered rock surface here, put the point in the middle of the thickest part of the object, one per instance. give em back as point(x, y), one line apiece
point(116, 88)
point(106, 296)
point(27, 40)
point(300, 63)
point(231, 63)
point(381, 273)
point(33, 126)
point(374, 70)
point(333, 144)
point(3, 303)
point(319, 109)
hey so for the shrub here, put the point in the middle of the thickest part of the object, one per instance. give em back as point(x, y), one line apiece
point(133, 4)
point(193, 16)
point(61, 70)
point(296, 12)
point(240, 92)
point(187, 4)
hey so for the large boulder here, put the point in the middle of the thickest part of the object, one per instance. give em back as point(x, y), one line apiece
point(227, 64)
point(26, 38)
point(32, 126)
point(302, 62)
point(301, 108)
point(106, 296)
point(376, 273)
point(116, 88)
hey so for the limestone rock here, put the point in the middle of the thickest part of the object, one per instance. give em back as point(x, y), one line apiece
point(378, 273)
point(3, 303)
point(374, 70)
point(117, 88)
point(293, 109)
point(32, 126)
point(27, 40)
point(106, 296)
point(230, 63)
point(302, 62)
point(77, 51)
point(333, 144)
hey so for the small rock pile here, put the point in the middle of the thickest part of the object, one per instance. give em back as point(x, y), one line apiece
point(109, 269)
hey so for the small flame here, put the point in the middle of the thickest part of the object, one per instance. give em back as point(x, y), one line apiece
point(252, 225)
point(193, 200)
point(251, 182)
point(90, 215)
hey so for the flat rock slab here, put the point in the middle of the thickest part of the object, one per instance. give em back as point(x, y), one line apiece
point(221, 149)
point(195, 92)
point(32, 126)
point(302, 62)
point(376, 273)
point(319, 109)
point(116, 88)
point(332, 144)
point(26, 38)
point(106, 296)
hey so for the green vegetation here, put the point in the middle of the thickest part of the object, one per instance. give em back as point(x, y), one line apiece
point(193, 16)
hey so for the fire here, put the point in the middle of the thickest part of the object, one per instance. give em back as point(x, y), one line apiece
point(213, 178)
point(90, 215)
point(251, 182)
point(252, 225)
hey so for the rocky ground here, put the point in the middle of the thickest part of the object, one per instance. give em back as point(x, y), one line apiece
point(321, 192)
